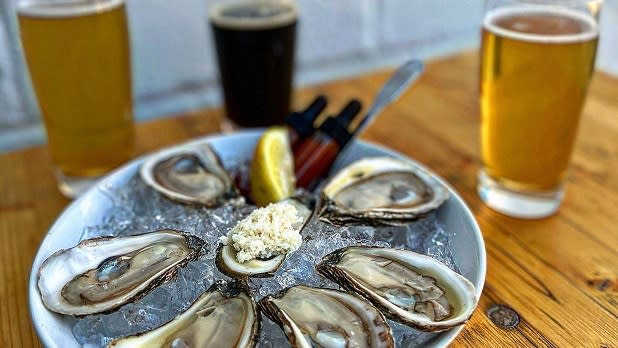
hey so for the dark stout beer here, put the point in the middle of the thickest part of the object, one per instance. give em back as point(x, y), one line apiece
point(255, 51)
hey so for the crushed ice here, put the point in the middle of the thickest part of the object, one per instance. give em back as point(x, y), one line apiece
point(137, 208)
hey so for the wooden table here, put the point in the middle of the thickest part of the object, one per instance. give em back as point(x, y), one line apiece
point(559, 274)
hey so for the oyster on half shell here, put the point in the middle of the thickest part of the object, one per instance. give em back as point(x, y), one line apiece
point(380, 191)
point(224, 316)
point(101, 274)
point(411, 288)
point(189, 174)
point(228, 263)
point(314, 317)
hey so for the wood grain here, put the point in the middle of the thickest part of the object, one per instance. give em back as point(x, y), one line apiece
point(559, 274)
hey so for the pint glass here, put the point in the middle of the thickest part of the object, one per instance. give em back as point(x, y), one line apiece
point(255, 41)
point(537, 58)
point(78, 57)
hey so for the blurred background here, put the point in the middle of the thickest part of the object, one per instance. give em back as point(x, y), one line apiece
point(174, 66)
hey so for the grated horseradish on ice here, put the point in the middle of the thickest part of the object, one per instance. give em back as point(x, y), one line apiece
point(266, 232)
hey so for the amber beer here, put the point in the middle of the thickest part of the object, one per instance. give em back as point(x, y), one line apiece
point(78, 58)
point(535, 69)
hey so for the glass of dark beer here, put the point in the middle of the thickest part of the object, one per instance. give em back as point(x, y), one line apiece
point(255, 43)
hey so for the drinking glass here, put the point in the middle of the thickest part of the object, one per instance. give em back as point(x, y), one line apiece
point(537, 57)
point(78, 57)
point(255, 42)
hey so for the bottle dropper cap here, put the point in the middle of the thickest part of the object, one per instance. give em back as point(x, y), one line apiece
point(302, 122)
point(337, 127)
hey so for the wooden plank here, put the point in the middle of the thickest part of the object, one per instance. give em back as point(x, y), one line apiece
point(17, 227)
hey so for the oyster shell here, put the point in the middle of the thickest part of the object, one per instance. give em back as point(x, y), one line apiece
point(327, 318)
point(411, 288)
point(101, 274)
point(228, 263)
point(380, 191)
point(224, 316)
point(189, 174)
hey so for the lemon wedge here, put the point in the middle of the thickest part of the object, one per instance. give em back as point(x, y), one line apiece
point(272, 169)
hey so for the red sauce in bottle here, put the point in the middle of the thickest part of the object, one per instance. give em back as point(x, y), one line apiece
point(315, 155)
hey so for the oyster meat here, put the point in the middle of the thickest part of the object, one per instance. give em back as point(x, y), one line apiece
point(258, 267)
point(380, 191)
point(224, 316)
point(411, 288)
point(314, 317)
point(101, 274)
point(264, 265)
point(189, 174)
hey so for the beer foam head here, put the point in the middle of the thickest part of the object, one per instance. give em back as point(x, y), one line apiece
point(65, 8)
point(253, 15)
point(586, 28)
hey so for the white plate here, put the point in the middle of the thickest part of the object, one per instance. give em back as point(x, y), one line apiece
point(54, 330)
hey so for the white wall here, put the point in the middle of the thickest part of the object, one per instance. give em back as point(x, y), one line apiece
point(607, 57)
point(175, 67)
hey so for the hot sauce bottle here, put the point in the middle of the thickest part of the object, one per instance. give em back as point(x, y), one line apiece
point(315, 155)
point(300, 123)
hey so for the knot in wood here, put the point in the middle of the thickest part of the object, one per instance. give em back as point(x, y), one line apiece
point(503, 316)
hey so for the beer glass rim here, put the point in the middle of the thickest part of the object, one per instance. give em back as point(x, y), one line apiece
point(591, 7)
point(246, 23)
point(65, 8)
point(586, 11)
point(558, 3)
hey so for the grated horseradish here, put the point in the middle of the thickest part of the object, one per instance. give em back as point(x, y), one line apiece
point(266, 232)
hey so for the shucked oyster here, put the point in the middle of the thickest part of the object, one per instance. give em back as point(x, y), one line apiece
point(224, 316)
point(313, 317)
point(380, 191)
point(408, 287)
point(189, 174)
point(262, 228)
point(101, 274)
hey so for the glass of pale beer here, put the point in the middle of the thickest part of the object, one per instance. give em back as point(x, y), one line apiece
point(79, 61)
point(537, 57)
